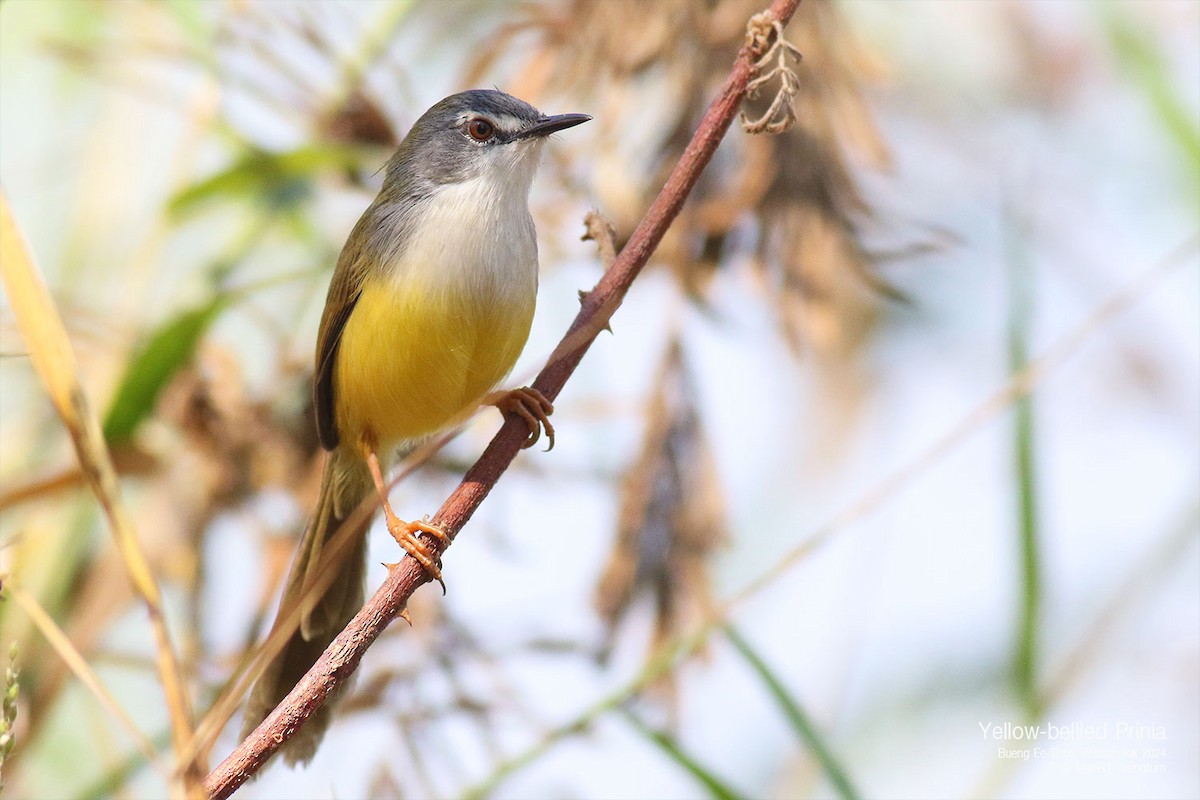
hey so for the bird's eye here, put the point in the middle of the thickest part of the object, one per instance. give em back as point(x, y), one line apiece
point(480, 129)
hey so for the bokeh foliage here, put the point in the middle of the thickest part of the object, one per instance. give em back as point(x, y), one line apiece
point(186, 173)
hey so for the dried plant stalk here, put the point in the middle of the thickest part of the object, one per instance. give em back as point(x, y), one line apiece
point(672, 514)
point(53, 359)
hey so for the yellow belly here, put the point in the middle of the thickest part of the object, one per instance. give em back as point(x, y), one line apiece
point(413, 361)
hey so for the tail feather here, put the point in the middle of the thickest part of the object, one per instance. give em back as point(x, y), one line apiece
point(344, 485)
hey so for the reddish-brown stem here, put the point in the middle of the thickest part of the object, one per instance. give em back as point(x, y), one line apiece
point(340, 660)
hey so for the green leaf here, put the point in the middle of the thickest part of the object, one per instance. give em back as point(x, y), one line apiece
point(279, 180)
point(716, 787)
point(1140, 56)
point(8, 707)
point(1020, 318)
point(167, 349)
point(119, 774)
point(800, 721)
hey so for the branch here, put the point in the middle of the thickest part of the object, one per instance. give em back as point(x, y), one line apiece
point(340, 660)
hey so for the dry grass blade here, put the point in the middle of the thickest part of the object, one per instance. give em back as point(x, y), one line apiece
point(50, 352)
point(78, 665)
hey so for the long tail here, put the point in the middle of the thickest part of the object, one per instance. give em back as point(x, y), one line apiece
point(344, 485)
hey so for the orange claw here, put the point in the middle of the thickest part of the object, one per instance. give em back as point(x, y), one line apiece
point(530, 405)
point(406, 535)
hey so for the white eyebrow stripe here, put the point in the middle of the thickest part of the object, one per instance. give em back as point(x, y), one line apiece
point(507, 122)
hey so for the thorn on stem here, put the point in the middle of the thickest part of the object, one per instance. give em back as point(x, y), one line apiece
point(583, 296)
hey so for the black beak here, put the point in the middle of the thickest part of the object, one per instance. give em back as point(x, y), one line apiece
point(548, 125)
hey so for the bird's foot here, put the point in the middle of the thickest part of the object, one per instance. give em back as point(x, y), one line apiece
point(530, 405)
point(407, 535)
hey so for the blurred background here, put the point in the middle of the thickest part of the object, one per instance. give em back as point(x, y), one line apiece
point(795, 439)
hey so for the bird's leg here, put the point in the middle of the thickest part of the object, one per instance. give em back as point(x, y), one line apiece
point(405, 533)
point(530, 405)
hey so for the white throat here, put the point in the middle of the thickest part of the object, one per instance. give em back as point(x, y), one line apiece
point(477, 235)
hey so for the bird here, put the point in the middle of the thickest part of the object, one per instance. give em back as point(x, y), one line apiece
point(428, 308)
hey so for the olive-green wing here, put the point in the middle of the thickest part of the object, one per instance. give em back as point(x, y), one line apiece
point(344, 290)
